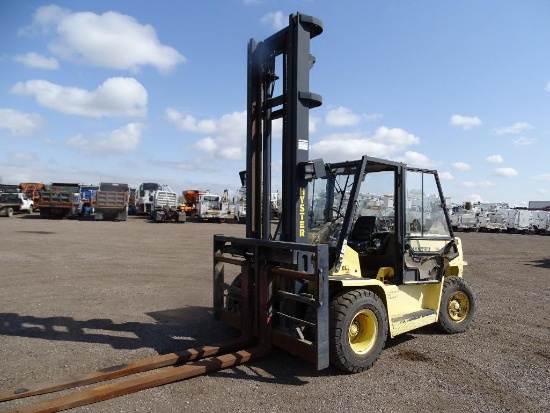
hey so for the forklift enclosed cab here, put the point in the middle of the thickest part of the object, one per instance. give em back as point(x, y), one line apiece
point(406, 233)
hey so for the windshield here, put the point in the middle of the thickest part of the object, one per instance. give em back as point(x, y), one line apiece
point(150, 187)
point(329, 200)
point(373, 202)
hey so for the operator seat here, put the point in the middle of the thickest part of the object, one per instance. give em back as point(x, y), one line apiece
point(361, 232)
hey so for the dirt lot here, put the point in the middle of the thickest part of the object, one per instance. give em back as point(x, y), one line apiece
point(79, 295)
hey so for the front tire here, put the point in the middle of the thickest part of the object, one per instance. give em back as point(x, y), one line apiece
point(358, 330)
point(458, 306)
point(30, 210)
point(9, 212)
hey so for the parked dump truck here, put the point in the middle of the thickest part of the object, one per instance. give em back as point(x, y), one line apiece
point(60, 200)
point(32, 190)
point(112, 202)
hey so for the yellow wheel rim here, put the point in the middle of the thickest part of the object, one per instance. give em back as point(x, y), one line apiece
point(458, 306)
point(363, 330)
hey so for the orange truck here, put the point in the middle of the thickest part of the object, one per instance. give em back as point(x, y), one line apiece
point(32, 190)
point(191, 205)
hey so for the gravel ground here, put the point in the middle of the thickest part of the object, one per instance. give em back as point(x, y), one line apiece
point(80, 295)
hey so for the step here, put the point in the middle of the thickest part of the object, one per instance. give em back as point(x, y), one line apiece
point(412, 321)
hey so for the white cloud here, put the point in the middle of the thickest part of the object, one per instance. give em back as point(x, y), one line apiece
point(506, 172)
point(446, 176)
point(383, 143)
point(524, 141)
point(125, 139)
point(226, 136)
point(494, 159)
point(117, 96)
point(516, 128)
point(465, 122)
point(111, 39)
point(395, 138)
point(416, 159)
point(32, 59)
point(188, 123)
point(542, 177)
point(20, 123)
point(461, 166)
point(18, 157)
point(341, 116)
point(482, 184)
point(275, 20)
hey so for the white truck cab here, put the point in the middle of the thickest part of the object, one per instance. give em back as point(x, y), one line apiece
point(25, 204)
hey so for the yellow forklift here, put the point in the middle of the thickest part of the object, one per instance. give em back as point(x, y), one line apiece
point(334, 279)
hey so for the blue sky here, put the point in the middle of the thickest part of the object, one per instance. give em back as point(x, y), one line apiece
point(141, 91)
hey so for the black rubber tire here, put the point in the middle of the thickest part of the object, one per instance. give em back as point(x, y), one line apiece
point(344, 309)
point(9, 212)
point(30, 210)
point(458, 306)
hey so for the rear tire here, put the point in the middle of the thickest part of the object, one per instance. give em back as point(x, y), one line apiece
point(458, 306)
point(9, 212)
point(358, 330)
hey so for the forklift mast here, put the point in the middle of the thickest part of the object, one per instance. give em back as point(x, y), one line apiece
point(279, 293)
point(292, 44)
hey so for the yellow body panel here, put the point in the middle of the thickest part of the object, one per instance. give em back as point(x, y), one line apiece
point(350, 263)
point(409, 306)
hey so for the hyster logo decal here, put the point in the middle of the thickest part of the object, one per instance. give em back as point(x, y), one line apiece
point(302, 223)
